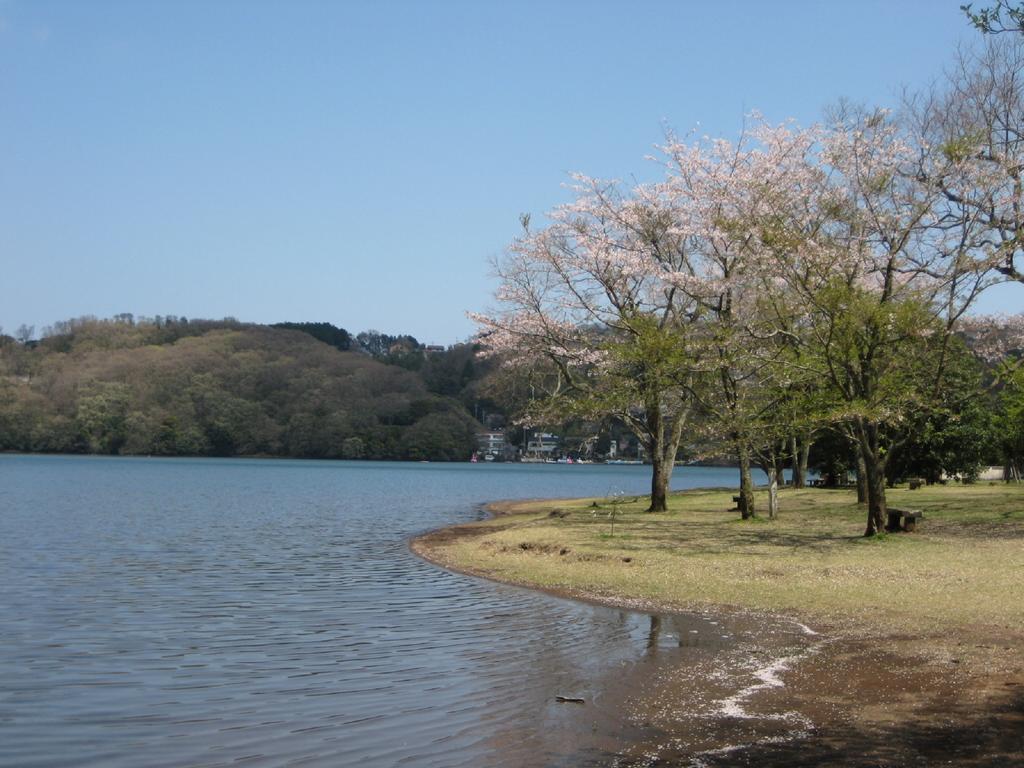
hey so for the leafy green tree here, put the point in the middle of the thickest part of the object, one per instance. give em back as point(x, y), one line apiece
point(450, 372)
point(102, 416)
point(954, 433)
point(353, 448)
point(446, 436)
point(1010, 425)
point(833, 455)
point(174, 437)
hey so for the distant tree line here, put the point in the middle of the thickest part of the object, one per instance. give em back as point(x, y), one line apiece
point(172, 386)
point(166, 385)
point(338, 338)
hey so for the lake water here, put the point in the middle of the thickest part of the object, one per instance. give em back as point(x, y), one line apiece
point(177, 612)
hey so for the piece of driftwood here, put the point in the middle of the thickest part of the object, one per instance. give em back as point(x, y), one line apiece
point(569, 700)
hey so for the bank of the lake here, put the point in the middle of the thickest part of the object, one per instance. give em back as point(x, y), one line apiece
point(922, 633)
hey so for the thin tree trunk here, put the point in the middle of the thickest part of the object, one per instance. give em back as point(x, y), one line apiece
point(877, 508)
point(746, 485)
point(805, 455)
point(798, 468)
point(862, 480)
point(773, 487)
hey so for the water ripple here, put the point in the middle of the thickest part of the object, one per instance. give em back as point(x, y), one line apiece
point(216, 613)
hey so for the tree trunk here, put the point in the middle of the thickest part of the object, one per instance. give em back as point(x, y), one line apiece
point(746, 485)
point(773, 487)
point(805, 455)
point(877, 508)
point(862, 480)
point(798, 468)
point(874, 464)
point(660, 477)
point(662, 444)
point(779, 473)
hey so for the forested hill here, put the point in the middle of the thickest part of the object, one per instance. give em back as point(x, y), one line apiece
point(223, 388)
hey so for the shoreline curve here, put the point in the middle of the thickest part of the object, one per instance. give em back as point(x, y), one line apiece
point(854, 702)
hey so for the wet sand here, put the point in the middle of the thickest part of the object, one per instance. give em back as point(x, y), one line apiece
point(821, 695)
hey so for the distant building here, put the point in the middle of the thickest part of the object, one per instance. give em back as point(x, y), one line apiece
point(993, 473)
point(492, 444)
point(542, 445)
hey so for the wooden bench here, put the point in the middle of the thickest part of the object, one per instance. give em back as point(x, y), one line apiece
point(909, 519)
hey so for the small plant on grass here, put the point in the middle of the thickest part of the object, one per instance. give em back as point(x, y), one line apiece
point(615, 500)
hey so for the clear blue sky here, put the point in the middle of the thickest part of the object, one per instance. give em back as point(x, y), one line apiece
point(360, 162)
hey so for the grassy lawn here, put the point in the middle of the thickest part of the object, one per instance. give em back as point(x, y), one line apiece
point(963, 568)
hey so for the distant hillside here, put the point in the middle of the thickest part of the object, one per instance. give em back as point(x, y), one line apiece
point(223, 388)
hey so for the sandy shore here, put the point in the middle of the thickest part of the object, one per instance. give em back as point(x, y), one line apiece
point(842, 693)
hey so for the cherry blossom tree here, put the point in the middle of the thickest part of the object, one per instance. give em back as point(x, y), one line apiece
point(717, 191)
point(645, 301)
point(996, 339)
point(972, 127)
point(589, 300)
point(883, 278)
point(823, 265)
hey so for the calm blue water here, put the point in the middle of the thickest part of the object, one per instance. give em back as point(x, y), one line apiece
point(176, 612)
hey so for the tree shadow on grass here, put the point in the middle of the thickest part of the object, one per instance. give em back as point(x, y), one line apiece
point(823, 530)
point(717, 538)
point(990, 530)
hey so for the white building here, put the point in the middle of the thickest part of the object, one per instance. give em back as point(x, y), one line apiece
point(491, 443)
point(542, 444)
